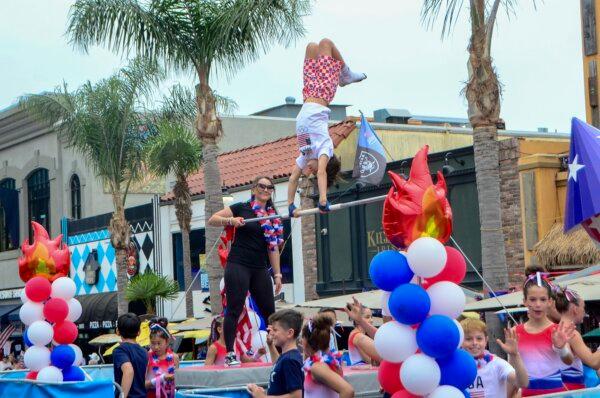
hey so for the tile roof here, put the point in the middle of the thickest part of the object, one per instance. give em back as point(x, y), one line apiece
point(274, 159)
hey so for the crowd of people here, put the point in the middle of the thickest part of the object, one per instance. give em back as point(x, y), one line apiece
point(12, 362)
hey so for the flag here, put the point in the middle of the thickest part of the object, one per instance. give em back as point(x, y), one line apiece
point(5, 334)
point(369, 163)
point(583, 184)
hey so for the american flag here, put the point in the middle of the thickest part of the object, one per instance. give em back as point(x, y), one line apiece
point(5, 334)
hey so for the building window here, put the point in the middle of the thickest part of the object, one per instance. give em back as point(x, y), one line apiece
point(38, 199)
point(9, 203)
point(75, 197)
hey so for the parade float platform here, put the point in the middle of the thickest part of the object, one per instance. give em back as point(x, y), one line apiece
point(364, 380)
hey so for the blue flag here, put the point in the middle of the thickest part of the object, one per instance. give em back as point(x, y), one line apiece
point(583, 184)
point(369, 163)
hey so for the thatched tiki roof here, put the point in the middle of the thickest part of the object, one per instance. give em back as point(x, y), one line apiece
point(573, 250)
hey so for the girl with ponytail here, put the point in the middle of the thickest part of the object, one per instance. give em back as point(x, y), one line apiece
point(322, 368)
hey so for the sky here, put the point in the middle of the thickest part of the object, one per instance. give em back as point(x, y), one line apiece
point(536, 51)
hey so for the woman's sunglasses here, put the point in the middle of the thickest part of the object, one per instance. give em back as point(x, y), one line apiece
point(265, 187)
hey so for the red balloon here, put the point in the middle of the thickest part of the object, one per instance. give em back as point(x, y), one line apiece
point(56, 310)
point(455, 269)
point(31, 376)
point(389, 376)
point(38, 289)
point(404, 394)
point(65, 332)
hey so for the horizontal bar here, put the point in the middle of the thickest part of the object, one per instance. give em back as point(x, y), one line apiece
point(337, 206)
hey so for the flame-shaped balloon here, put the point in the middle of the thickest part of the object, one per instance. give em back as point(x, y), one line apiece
point(415, 208)
point(46, 257)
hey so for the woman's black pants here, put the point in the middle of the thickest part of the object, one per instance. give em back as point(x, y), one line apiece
point(239, 280)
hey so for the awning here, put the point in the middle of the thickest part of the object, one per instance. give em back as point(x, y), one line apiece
point(371, 299)
point(99, 311)
point(588, 288)
point(8, 308)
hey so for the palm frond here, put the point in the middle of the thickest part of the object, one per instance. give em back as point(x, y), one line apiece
point(151, 285)
point(175, 149)
point(104, 122)
point(245, 29)
point(430, 12)
point(155, 30)
point(225, 105)
point(178, 106)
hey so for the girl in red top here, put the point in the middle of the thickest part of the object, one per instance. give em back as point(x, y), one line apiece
point(162, 362)
point(217, 352)
point(542, 345)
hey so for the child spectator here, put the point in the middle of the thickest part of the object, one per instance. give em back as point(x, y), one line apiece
point(324, 377)
point(160, 375)
point(286, 377)
point(542, 344)
point(495, 377)
point(129, 358)
point(217, 353)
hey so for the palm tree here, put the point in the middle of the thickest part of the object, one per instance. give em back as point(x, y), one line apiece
point(105, 123)
point(176, 150)
point(483, 95)
point(148, 287)
point(196, 36)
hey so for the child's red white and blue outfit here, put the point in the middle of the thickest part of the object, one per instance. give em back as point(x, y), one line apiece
point(159, 368)
point(314, 389)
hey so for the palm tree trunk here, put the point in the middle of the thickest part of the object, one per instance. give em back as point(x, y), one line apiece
point(483, 95)
point(183, 211)
point(208, 128)
point(120, 232)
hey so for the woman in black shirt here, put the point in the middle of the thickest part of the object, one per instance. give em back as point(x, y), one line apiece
point(254, 248)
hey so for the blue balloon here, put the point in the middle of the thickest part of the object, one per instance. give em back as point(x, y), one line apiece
point(409, 304)
point(26, 340)
point(438, 336)
point(389, 269)
point(458, 370)
point(62, 356)
point(73, 373)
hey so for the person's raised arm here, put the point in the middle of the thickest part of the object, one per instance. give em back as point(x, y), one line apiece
point(322, 179)
point(519, 378)
point(224, 217)
point(582, 351)
point(354, 311)
point(292, 187)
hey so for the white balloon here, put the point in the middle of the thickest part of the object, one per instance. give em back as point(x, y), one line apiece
point(420, 374)
point(447, 298)
point(23, 296)
point(254, 320)
point(385, 309)
point(50, 374)
point(222, 284)
point(426, 257)
point(259, 339)
point(395, 342)
point(63, 288)
point(40, 333)
point(36, 358)
point(31, 312)
point(75, 309)
point(446, 392)
point(78, 355)
point(461, 333)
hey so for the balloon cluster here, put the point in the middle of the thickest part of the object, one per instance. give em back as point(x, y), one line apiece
point(420, 347)
point(49, 311)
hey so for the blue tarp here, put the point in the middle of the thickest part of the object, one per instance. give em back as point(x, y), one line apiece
point(31, 389)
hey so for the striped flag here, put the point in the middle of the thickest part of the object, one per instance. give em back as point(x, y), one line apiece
point(5, 334)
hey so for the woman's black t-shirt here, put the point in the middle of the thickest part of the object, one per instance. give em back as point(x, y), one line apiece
point(249, 246)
